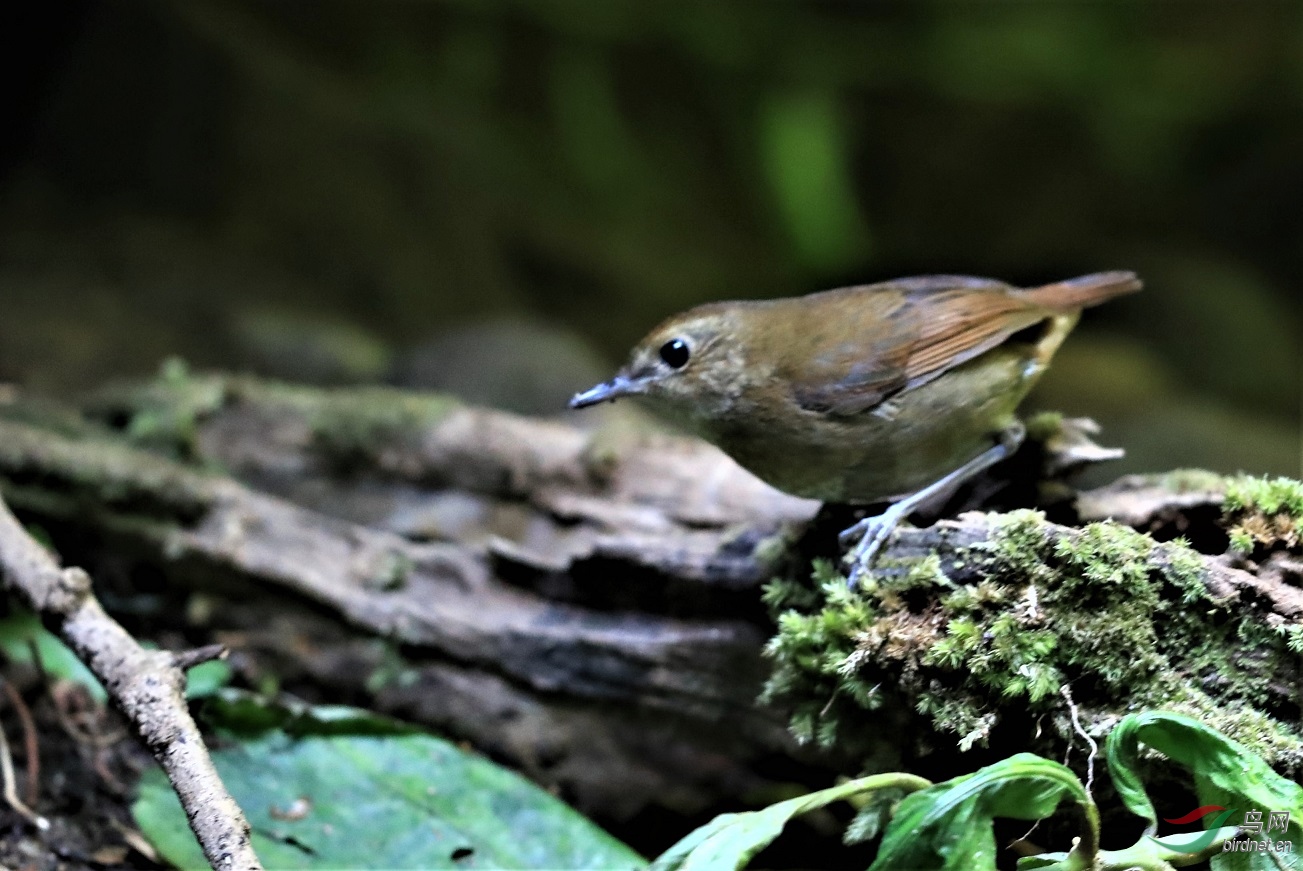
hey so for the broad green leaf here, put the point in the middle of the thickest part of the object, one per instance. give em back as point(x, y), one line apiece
point(948, 826)
point(21, 630)
point(1263, 860)
point(1143, 855)
point(1224, 773)
point(1234, 859)
point(676, 856)
point(206, 678)
point(1222, 767)
point(731, 840)
point(341, 788)
point(248, 715)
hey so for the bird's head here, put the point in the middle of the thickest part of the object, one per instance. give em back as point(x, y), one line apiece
point(691, 367)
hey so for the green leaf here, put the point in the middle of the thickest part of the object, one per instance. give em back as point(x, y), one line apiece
point(206, 678)
point(873, 816)
point(949, 826)
point(342, 788)
point(731, 840)
point(1222, 767)
point(1263, 860)
point(1224, 772)
point(21, 629)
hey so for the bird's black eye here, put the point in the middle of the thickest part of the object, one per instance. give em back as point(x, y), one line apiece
point(675, 353)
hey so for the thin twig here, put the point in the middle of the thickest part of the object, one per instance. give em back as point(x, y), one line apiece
point(87, 729)
point(100, 762)
point(10, 792)
point(188, 659)
point(86, 725)
point(136, 841)
point(61, 694)
point(1021, 844)
point(30, 744)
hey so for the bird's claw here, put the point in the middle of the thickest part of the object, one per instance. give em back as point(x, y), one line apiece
point(874, 532)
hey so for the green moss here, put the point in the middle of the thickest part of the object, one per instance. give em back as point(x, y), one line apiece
point(1043, 426)
point(815, 653)
point(345, 426)
point(96, 473)
point(1016, 544)
point(1293, 635)
point(1265, 495)
point(1126, 621)
point(957, 711)
point(1241, 542)
point(1263, 513)
point(163, 415)
point(355, 426)
point(782, 594)
point(1184, 568)
point(1193, 481)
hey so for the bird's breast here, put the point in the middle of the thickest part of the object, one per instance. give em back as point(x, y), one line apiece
point(882, 453)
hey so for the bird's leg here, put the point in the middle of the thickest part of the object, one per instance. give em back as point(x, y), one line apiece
point(874, 531)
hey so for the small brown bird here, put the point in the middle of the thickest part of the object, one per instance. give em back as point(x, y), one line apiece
point(893, 391)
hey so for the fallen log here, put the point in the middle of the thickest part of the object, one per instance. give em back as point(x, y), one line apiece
point(584, 605)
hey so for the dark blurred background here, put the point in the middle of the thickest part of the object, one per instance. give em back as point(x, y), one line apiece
point(500, 196)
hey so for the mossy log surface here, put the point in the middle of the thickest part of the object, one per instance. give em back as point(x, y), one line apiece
point(588, 613)
point(583, 605)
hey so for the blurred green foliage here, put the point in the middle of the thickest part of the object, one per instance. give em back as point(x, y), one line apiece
point(409, 167)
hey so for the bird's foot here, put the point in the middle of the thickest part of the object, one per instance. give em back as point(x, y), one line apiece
point(873, 533)
point(876, 530)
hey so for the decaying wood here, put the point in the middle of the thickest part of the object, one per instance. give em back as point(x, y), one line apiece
point(594, 620)
point(1189, 504)
point(585, 605)
point(147, 685)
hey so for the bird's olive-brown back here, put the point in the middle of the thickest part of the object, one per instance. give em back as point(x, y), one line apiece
point(861, 393)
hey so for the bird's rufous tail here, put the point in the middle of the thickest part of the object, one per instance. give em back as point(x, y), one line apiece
point(1086, 291)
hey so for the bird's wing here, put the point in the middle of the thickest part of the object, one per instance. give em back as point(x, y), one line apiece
point(916, 330)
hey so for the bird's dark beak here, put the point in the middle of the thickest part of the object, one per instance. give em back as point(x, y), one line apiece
point(618, 386)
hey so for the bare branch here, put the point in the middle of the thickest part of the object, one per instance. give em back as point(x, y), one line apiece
point(144, 684)
point(185, 660)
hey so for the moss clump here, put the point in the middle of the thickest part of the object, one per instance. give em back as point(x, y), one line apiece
point(163, 415)
point(1263, 513)
point(346, 427)
point(1044, 425)
point(1265, 495)
point(357, 426)
point(1127, 621)
point(1192, 481)
point(814, 650)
